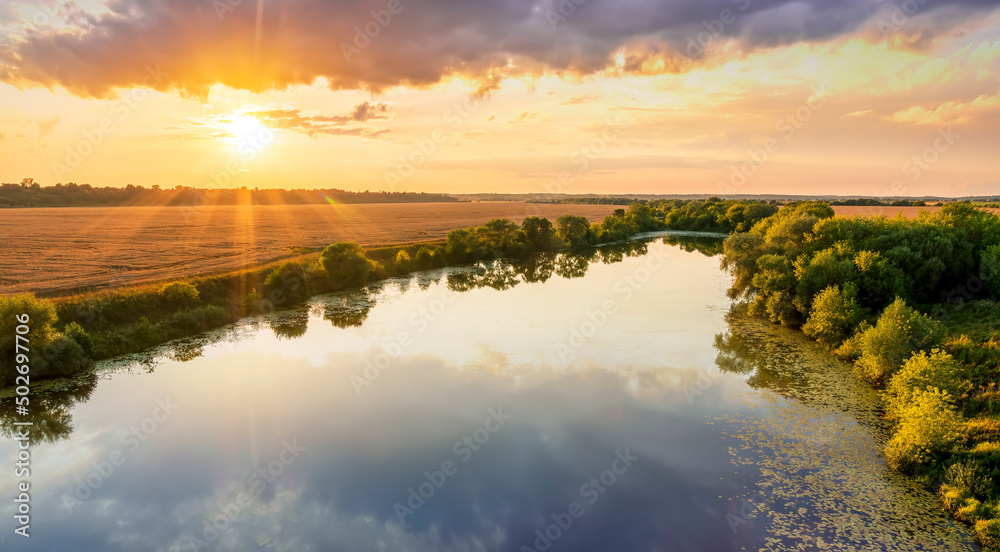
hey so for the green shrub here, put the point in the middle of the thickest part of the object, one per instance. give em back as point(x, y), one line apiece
point(834, 315)
point(937, 370)
point(990, 266)
point(41, 319)
point(63, 356)
point(899, 332)
point(191, 321)
point(850, 350)
point(403, 263)
point(287, 285)
point(41, 335)
point(879, 280)
point(178, 295)
point(927, 428)
point(988, 532)
point(425, 258)
point(346, 265)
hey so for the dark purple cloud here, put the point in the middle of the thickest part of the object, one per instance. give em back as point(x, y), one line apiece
point(190, 45)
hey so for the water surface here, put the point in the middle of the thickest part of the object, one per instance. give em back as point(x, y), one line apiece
point(604, 400)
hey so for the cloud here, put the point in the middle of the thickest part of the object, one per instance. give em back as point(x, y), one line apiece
point(954, 112)
point(579, 99)
point(47, 127)
point(523, 117)
point(315, 124)
point(197, 46)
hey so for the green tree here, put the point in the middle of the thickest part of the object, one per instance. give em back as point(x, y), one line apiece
point(346, 264)
point(540, 233)
point(501, 238)
point(773, 285)
point(573, 230)
point(834, 315)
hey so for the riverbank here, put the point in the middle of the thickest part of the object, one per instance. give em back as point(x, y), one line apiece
point(73, 332)
point(913, 305)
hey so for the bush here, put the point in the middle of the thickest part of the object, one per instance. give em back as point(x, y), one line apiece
point(988, 532)
point(191, 321)
point(41, 334)
point(425, 258)
point(346, 265)
point(850, 350)
point(178, 295)
point(287, 285)
point(937, 370)
point(403, 264)
point(63, 356)
point(928, 427)
point(834, 315)
point(899, 332)
point(990, 265)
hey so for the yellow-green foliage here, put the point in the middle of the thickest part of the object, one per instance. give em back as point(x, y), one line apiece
point(850, 350)
point(988, 532)
point(937, 370)
point(179, 294)
point(41, 317)
point(403, 262)
point(983, 429)
point(833, 316)
point(927, 426)
point(899, 332)
point(50, 352)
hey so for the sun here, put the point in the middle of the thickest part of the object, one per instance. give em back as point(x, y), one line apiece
point(247, 134)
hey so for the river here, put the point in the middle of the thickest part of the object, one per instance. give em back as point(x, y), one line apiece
point(594, 401)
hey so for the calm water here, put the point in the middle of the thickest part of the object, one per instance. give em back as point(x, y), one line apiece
point(603, 401)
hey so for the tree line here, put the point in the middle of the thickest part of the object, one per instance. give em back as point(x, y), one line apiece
point(29, 193)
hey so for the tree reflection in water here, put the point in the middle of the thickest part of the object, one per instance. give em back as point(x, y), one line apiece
point(53, 401)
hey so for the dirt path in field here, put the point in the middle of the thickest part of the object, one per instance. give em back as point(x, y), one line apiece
point(57, 250)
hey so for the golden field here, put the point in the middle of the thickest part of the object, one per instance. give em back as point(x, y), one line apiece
point(61, 250)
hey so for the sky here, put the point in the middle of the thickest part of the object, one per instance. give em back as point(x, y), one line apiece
point(845, 97)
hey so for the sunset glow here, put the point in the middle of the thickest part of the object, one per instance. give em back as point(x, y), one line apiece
point(90, 92)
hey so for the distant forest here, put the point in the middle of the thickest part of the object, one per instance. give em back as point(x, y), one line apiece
point(29, 193)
